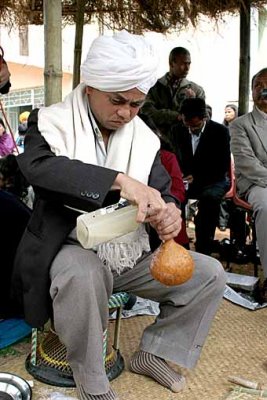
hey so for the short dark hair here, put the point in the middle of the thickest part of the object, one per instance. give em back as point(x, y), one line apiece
point(10, 171)
point(8, 165)
point(177, 51)
point(262, 71)
point(193, 107)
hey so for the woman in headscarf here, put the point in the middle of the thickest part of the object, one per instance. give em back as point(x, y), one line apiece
point(7, 144)
point(230, 113)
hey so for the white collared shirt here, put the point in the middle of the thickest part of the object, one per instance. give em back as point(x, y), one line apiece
point(101, 153)
point(196, 138)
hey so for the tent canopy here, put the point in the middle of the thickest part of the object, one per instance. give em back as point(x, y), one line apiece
point(136, 15)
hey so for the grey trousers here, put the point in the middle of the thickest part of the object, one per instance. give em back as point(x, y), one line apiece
point(257, 197)
point(80, 289)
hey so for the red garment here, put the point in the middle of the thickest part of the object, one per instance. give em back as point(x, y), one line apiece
point(170, 162)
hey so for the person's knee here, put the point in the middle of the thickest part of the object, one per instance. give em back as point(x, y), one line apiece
point(262, 209)
point(218, 276)
point(210, 270)
point(89, 277)
point(219, 273)
point(79, 271)
point(213, 195)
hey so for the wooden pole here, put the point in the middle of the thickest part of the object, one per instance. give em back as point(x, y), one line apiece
point(262, 38)
point(53, 51)
point(78, 42)
point(244, 62)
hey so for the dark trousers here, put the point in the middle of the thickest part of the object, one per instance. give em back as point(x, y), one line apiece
point(224, 214)
point(239, 228)
point(234, 218)
point(209, 199)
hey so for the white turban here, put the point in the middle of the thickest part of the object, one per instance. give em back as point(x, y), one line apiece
point(120, 62)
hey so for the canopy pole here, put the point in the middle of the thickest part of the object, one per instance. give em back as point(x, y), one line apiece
point(244, 61)
point(53, 51)
point(78, 42)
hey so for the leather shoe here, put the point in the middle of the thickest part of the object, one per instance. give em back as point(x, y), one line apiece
point(131, 302)
point(240, 257)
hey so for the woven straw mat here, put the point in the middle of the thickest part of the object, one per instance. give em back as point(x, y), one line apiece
point(236, 345)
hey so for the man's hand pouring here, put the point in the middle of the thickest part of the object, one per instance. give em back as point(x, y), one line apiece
point(167, 221)
point(165, 218)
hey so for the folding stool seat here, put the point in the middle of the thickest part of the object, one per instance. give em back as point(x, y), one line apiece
point(47, 361)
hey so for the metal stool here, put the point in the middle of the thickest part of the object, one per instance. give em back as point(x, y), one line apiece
point(47, 360)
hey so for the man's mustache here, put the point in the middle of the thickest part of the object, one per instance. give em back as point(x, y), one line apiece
point(263, 95)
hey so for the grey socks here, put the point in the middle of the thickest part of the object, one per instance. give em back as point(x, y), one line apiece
point(147, 364)
point(110, 395)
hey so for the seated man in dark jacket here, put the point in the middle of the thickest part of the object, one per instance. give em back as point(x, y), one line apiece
point(203, 150)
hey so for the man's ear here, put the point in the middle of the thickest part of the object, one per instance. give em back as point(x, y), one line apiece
point(88, 90)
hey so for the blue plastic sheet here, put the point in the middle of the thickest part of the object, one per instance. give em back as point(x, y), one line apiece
point(13, 330)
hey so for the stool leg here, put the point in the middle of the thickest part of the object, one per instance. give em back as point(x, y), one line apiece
point(116, 341)
point(254, 248)
point(34, 344)
point(229, 253)
point(105, 344)
point(117, 328)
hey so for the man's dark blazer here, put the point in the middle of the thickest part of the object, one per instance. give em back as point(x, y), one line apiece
point(211, 160)
point(59, 181)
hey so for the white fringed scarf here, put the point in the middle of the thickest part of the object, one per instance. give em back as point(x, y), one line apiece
point(132, 150)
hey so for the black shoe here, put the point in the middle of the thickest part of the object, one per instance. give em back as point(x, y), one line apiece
point(240, 257)
point(222, 228)
point(225, 249)
point(131, 302)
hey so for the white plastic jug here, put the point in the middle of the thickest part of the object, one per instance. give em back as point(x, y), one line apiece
point(106, 224)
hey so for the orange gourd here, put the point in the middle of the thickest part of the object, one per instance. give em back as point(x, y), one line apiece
point(172, 264)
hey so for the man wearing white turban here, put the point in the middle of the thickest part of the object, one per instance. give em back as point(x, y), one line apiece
point(84, 154)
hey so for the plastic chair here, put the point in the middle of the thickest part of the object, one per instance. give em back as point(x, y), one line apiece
point(47, 361)
point(244, 205)
point(231, 174)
